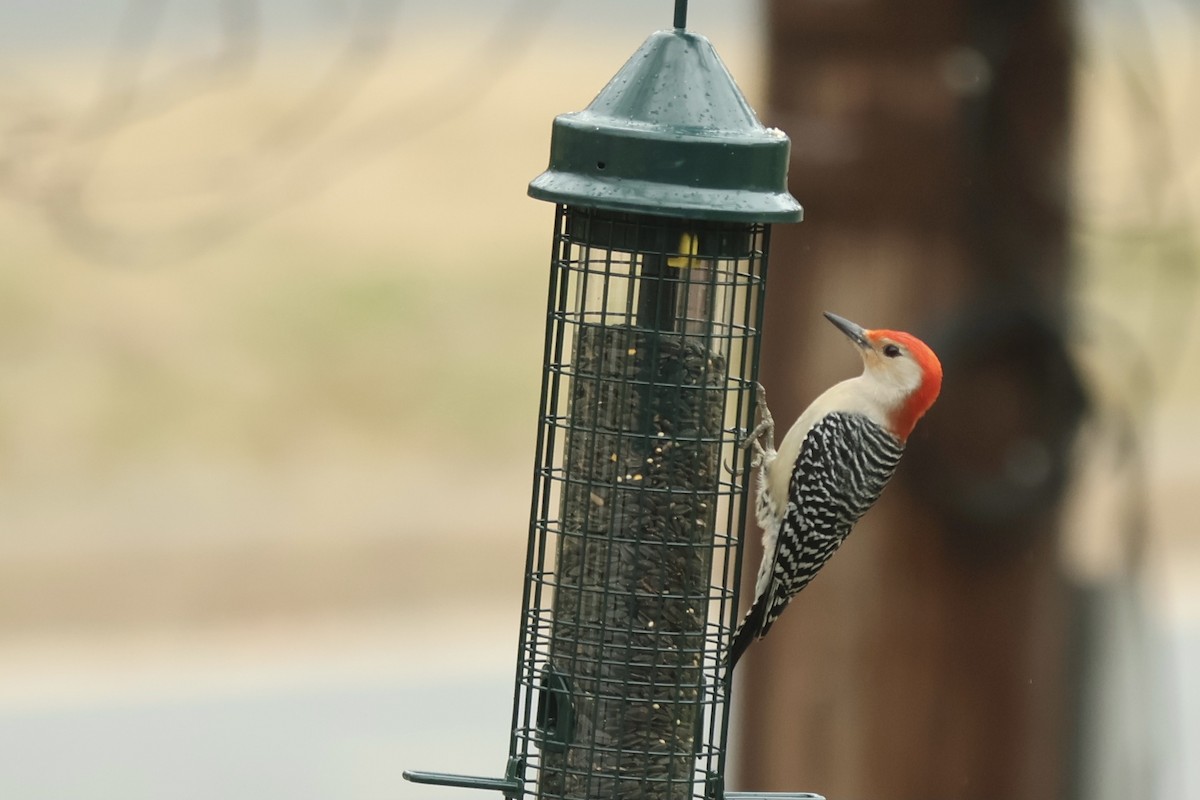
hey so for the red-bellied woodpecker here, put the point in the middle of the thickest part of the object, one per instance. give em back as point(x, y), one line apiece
point(832, 465)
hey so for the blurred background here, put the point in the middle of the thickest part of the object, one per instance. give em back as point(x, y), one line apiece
point(271, 300)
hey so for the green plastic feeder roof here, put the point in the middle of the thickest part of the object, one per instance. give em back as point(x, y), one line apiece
point(672, 135)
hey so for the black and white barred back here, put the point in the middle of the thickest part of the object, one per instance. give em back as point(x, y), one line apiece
point(845, 461)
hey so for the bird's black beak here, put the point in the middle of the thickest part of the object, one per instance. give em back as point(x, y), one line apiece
point(857, 333)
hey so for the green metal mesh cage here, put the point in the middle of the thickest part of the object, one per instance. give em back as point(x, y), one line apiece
point(665, 186)
point(652, 337)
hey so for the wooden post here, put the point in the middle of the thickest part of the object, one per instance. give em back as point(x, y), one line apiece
point(930, 150)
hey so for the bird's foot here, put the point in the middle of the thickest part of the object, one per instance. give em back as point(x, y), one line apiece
point(765, 429)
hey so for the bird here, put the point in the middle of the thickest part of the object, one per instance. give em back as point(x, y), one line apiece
point(831, 466)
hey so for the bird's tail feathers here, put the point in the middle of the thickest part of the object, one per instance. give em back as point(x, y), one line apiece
point(748, 631)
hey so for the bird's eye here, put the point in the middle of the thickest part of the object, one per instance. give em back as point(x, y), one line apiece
point(891, 351)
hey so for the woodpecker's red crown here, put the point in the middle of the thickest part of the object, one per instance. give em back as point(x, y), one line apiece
point(904, 418)
point(901, 375)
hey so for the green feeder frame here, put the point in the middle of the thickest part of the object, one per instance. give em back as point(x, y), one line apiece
point(665, 188)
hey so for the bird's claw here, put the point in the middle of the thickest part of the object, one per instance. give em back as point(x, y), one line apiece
point(765, 427)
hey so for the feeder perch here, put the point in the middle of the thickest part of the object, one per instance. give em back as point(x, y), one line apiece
point(665, 187)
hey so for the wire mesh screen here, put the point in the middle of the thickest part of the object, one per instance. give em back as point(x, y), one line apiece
point(651, 350)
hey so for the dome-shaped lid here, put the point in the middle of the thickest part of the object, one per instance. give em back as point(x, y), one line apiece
point(671, 134)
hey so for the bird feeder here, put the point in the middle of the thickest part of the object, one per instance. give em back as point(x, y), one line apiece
point(665, 187)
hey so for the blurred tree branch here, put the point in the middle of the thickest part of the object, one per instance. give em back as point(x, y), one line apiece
point(49, 157)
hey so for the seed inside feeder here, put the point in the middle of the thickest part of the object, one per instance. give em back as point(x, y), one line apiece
point(633, 562)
